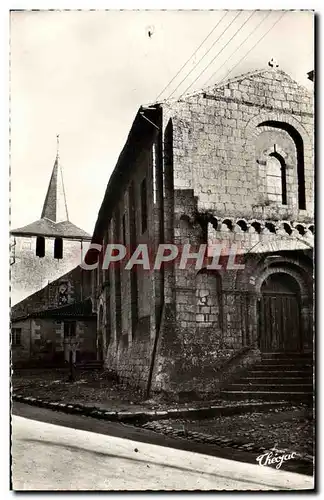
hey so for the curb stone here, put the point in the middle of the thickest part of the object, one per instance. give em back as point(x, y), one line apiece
point(150, 419)
point(220, 441)
point(149, 415)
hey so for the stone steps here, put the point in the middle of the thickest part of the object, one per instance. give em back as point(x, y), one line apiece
point(283, 366)
point(274, 380)
point(272, 386)
point(268, 395)
point(287, 361)
point(271, 373)
point(287, 354)
point(279, 376)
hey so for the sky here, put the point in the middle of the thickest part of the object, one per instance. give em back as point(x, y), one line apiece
point(84, 74)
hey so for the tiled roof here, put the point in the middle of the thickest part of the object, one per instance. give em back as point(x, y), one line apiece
point(46, 227)
point(75, 310)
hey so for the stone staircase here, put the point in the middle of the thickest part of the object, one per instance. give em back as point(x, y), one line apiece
point(279, 376)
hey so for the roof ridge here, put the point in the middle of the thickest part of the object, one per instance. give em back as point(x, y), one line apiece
point(48, 311)
point(46, 227)
point(222, 83)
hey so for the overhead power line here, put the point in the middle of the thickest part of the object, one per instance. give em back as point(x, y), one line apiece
point(238, 48)
point(260, 39)
point(193, 55)
point(222, 49)
point(203, 57)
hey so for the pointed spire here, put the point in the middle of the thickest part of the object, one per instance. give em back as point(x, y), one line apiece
point(55, 208)
point(57, 146)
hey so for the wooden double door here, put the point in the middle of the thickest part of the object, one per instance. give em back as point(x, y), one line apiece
point(280, 315)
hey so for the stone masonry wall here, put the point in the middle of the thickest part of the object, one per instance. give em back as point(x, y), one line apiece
point(43, 339)
point(130, 299)
point(30, 273)
point(22, 351)
point(76, 287)
point(216, 144)
point(224, 142)
point(224, 151)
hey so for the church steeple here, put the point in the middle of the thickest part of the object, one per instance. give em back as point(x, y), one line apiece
point(54, 221)
point(55, 208)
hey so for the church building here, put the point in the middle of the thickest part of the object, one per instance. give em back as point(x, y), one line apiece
point(232, 164)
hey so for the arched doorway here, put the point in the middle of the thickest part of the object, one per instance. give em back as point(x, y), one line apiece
point(280, 314)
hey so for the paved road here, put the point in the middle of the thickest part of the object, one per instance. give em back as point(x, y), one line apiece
point(46, 456)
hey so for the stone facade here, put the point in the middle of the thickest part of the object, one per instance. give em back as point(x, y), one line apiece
point(42, 340)
point(228, 134)
point(29, 273)
point(231, 165)
point(40, 321)
point(74, 286)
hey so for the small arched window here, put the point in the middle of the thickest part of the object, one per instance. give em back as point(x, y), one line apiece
point(40, 246)
point(58, 248)
point(299, 145)
point(277, 178)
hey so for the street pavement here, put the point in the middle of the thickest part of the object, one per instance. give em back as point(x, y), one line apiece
point(51, 457)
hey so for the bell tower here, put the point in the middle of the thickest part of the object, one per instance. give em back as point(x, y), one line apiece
point(48, 247)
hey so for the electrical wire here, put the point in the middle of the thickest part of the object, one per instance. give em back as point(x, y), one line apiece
point(249, 35)
point(260, 39)
point(193, 55)
point(210, 48)
point(206, 67)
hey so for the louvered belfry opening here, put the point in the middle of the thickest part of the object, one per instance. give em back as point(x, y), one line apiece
point(40, 246)
point(58, 248)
